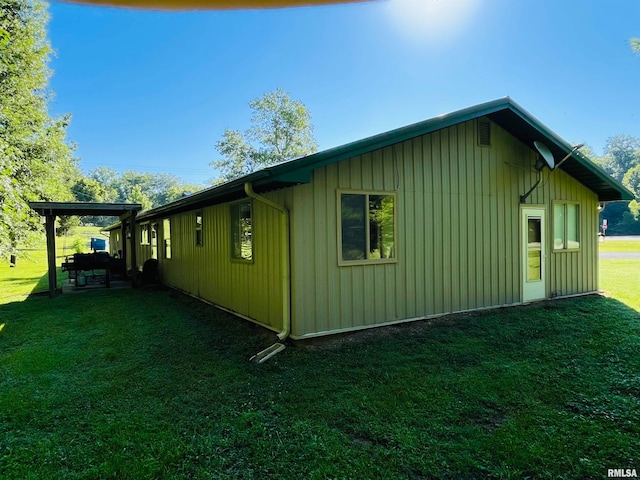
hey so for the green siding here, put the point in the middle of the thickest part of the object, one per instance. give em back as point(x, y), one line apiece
point(458, 238)
point(253, 290)
point(458, 234)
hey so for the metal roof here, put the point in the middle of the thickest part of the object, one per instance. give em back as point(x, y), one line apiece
point(504, 112)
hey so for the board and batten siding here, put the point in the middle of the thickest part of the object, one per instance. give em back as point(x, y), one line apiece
point(458, 232)
point(250, 289)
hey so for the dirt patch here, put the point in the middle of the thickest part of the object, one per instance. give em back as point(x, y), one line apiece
point(340, 340)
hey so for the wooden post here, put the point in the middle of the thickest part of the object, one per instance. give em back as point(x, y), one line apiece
point(50, 228)
point(134, 262)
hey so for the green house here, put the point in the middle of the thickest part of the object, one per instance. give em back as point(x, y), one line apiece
point(458, 213)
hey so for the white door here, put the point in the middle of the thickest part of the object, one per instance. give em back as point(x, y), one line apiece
point(533, 235)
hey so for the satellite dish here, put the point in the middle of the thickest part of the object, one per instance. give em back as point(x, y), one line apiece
point(545, 153)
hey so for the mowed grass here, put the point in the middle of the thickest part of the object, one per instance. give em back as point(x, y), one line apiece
point(620, 278)
point(153, 384)
point(613, 245)
point(29, 274)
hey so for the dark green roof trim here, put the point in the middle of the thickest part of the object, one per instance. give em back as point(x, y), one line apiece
point(504, 112)
point(84, 208)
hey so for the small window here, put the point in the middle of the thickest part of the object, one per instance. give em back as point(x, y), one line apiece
point(566, 226)
point(367, 228)
point(166, 235)
point(199, 228)
point(154, 241)
point(144, 234)
point(241, 231)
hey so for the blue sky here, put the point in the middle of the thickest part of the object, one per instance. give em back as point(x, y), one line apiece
point(153, 91)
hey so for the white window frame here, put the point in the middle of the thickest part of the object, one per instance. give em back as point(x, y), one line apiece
point(199, 229)
point(167, 252)
point(145, 234)
point(565, 241)
point(232, 238)
point(367, 260)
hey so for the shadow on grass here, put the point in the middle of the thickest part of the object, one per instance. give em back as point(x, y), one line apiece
point(42, 284)
point(150, 384)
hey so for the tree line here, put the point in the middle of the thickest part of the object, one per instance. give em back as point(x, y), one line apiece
point(105, 185)
point(37, 162)
point(621, 160)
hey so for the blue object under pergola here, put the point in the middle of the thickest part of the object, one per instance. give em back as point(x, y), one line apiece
point(50, 210)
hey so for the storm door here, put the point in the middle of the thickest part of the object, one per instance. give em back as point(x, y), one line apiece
point(533, 238)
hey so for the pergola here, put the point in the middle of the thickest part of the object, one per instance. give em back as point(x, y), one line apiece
point(51, 210)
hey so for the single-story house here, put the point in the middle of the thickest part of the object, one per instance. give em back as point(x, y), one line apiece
point(484, 207)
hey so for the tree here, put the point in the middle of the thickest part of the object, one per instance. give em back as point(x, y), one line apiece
point(281, 131)
point(635, 44)
point(36, 162)
point(621, 154)
point(150, 190)
point(631, 180)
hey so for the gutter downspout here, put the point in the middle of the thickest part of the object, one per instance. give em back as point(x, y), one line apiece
point(285, 265)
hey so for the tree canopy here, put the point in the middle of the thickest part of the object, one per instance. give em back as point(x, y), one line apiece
point(281, 131)
point(36, 162)
point(621, 160)
point(150, 190)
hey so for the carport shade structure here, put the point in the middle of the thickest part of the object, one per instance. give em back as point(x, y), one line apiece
point(51, 210)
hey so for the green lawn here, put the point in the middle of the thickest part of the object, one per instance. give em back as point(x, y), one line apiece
point(29, 274)
point(610, 245)
point(153, 384)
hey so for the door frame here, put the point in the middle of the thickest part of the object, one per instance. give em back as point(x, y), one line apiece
point(532, 290)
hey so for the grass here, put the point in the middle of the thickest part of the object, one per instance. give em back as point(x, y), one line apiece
point(620, 278)
point(91, 390)
point(610, 245)
point(29, 274)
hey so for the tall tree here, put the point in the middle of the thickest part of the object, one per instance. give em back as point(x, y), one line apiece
point(36, 162)
point(621, 154)
point(281, 131)
point(635, 44)
point(631, 180)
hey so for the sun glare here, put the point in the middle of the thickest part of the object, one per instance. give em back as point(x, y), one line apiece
point(434, 21)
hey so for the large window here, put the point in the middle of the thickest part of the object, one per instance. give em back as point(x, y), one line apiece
point(367, 227)
point(566, 226)
point(199, 241)
point(241, 231)
point(166, 235)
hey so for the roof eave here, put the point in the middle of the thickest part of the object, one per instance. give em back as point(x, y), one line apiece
point(300, 170)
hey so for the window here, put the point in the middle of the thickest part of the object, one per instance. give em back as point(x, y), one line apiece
point(241, 231)
point(144, 234)
point(367, 228)
point(154, 241)
point(199, 228)
point(166, 235)
point(566, 226)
